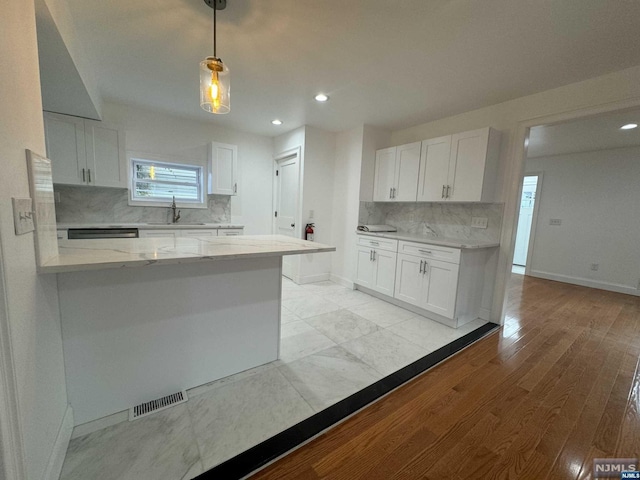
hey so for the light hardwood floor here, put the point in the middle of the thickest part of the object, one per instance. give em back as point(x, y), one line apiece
point(554, 388)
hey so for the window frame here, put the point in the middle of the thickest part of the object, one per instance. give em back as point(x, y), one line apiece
point(133, 157)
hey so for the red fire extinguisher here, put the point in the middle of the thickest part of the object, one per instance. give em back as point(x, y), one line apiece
point(308, 232)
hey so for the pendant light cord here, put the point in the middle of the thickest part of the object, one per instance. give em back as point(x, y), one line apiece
point(214, 27)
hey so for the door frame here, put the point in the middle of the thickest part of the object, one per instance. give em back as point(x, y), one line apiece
point(292, 152)
point(516, 159)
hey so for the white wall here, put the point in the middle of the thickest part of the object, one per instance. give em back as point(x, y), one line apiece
point(31, 300)
point(346, 188)
point(506, 117)
point(596, 195)
point(318, 175)
point(158, 132)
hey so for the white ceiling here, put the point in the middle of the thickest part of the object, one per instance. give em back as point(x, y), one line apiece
point(594, 133)
point(386, 63)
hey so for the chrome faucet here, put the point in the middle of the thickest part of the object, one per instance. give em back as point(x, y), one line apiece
point(173, 208)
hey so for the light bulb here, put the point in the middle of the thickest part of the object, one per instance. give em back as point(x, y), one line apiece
point(214, 90)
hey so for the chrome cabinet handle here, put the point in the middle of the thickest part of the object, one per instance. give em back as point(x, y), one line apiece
point(373, 243)
point(89, 174)
point(235, 188)
point(293, 225)
point(84, 179)
point(424, 270)
point(448, 188)
point(443, 187)
point(394, 192)
point(421, 262)
point(428, 252)
point(370, 255)
point(374, 255)
point(391, 193)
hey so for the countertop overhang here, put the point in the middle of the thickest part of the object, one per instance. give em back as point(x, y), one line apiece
point(151, 226)
point(83, 255)
point(443, 242)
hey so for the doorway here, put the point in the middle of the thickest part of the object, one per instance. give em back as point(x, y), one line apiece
point(528, 199)
point(287, 204)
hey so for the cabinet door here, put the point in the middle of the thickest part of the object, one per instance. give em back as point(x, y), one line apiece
point(158, 233)
point(106, 164)
point(384, 271)
point(440, 287)
point(364, 267)
point(230, 232)
point(66, 148)
point(434, 169)
point(199, 232)
point(384, 177)
point(466, 165)
point(409, 279)
point(406, 175)
point(223, 169)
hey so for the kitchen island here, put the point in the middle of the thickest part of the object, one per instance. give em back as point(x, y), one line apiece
point(145, 318)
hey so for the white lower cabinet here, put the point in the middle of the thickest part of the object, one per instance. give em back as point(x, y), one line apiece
point(230, 232)
point(198, 232)
point(428, 284)
point(376, 264)
point(444, 283)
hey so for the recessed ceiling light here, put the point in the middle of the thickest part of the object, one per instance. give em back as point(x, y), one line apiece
point(629, 126)
point(276, 122)
point(321, 97)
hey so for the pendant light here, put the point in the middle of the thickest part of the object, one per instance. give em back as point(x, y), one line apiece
point(215, 86)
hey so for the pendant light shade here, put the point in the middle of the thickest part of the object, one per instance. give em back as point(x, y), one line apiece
point(215, 85)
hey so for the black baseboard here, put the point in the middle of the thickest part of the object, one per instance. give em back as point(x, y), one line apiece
point(263, 453)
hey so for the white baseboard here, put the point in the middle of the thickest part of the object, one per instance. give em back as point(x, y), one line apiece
point(485, 314)
point(345, 282)
point(56, 459)
point(321, 277)
point(586, 282)
point(100, 423)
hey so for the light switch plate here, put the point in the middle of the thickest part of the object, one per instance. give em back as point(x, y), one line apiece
point(23, 215)
point(555, 221)
point(479, 222)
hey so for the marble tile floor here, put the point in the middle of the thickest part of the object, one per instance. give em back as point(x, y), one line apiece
point(334, 342)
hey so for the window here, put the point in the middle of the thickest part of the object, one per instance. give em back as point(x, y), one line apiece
point(156, 182)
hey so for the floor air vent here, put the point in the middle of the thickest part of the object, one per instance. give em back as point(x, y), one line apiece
point(154, 406)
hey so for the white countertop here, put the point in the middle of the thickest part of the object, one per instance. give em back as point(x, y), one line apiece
point(148, 226)
point(81, 255)
point(445, 242)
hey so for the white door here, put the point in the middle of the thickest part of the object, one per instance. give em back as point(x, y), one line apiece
point(440, 287)
point(406, 176)
point(66, 149)
point(287, 199)
point(364, 267)
point(523, 234)
point(434, 169)
point(223, 169)
point(384, 176)
point(466, 165)
point(384, 271)
point(409, 279)
point(106, 164)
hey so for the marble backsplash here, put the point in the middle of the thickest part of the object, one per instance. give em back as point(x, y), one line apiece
point(438, 220)
point(110, 205)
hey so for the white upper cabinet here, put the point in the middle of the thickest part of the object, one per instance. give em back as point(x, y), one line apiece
point(384, 176)
point(473, 166)
point(434, 169)
point(223, 169)
point(105, 155)
point(396, 173)
point(85, 152)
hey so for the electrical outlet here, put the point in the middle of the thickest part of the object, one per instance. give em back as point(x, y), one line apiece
point(311, 214)
point(555, 221)
point(22, 215)
point(595, 266)
point(479, 222)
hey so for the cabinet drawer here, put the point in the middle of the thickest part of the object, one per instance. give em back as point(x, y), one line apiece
point(199, 232)
point(158, 233)
point(378, 243)
point(230, 232)
point(432, 252)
